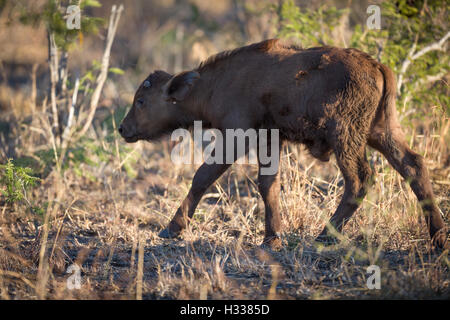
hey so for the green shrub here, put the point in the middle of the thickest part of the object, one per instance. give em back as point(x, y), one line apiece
point(16, 181)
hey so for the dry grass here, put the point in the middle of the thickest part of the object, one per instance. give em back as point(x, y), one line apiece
point(107, 223)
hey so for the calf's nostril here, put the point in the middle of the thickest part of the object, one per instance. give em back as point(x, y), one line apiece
point(120, 129)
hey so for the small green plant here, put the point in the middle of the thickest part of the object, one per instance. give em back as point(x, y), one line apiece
point(16, 181)
point(92, 153)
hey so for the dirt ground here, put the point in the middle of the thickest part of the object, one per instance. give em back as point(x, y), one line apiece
point(108, 225)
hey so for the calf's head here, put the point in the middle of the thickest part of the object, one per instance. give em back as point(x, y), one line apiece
point(156, 106)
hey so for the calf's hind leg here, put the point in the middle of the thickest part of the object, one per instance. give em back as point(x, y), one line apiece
point(357, 173)
point(411, 166)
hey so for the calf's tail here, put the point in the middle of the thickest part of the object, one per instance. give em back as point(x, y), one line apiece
point(388, 99)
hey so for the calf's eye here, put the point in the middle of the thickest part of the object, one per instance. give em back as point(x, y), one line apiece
point(140, 102)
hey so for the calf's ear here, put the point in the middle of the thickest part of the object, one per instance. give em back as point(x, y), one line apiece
point(178, 87)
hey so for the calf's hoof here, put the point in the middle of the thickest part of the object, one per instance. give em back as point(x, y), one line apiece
point(167, 234)
point(440, 240)
point(273, 243)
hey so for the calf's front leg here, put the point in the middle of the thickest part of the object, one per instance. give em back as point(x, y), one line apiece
point(203, 179)
point(269, 188)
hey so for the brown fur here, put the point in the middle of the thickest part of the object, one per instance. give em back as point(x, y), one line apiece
point(331, 100)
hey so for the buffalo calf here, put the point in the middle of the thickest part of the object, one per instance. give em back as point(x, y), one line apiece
point(331, 100)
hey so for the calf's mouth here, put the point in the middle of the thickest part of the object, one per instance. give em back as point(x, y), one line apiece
point(131, 139)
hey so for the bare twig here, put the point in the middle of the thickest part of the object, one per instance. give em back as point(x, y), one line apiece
point(33, 87)
point(67, 129)
point(72, 108)
point(62, 72)
point(413, 55)
point(431, 78)
point(53, 65)
point(439, 45)
point(113, 22)
point(140, 271)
